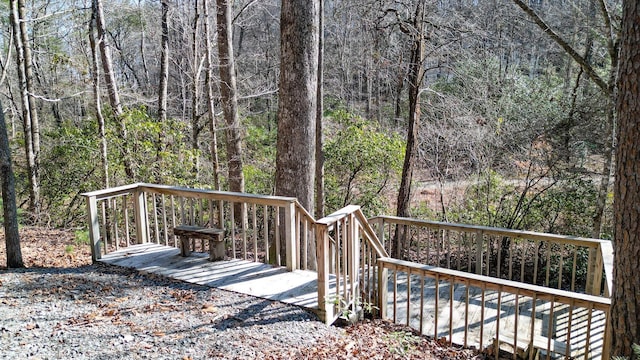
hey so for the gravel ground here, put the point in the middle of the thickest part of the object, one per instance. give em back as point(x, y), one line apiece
point(104, 312)
point(62, 307)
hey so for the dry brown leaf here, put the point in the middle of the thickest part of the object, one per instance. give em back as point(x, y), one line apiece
point(31, 326)
point(159, 333)
point(209, 308)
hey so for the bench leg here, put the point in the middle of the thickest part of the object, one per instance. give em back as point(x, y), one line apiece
point(184, 246)
point(217, 249)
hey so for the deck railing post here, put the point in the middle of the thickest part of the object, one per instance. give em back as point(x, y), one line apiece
point(290, 236)
point(479, 243)
point(140, 215)
point(383, 287)
point(325, 307)
point(94, 228)
point(594, 284)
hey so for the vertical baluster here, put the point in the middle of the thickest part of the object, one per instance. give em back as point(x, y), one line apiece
point(523, 258)
point(395, 295)
point(103, 228)
point(511, 241)
point(408, 297)
point(243, 218)
point(535, 264)
point(265, 228)
point(125, 210)
point(437, 312)
point(173, 219)
point(451, 297)
point(548, 265)
point(114, 211)
point(573, 270)
point(567, 353)
point(232, 219)
point(422, 280)
point(498, 310)
point(277, 231)
point(550, 328)
point(499, 256)
point(164, 221)
point(448, 240)
point(532, 332)
point(466, 314)
point(482, 304)
point(587, 344)
point(515, 322)
point(155, 218)
point(254, 216)
point(560, 253)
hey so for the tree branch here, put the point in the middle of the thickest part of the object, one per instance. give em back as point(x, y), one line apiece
point(566, 47)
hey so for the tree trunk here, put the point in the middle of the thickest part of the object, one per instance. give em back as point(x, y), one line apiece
point(415, 77)
point(319, 111)
point(625, 304)
point(11, 235)
point(98, 103)
point(112, 87)
point(295, 159)
point(32, 165)
point(229, 95)
point(213, 145)
point(164, 63)
point(195, 91)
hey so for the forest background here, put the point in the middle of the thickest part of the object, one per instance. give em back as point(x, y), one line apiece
point(514, 125)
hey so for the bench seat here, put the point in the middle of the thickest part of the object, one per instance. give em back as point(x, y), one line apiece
point(215, 237)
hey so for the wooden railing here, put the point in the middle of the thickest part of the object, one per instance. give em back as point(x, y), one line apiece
point(481, 311)
point(348, 250)
point(259, 228)
point(561, 262)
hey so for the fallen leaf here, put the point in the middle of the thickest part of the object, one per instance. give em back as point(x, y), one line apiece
point(209, 308)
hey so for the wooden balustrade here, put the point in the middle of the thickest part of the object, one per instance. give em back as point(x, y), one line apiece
point(562, 262)
point(348, 250)
point(258, 228)
point(481, 311)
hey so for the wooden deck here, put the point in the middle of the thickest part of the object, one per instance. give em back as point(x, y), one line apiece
point(496, 311)
point(300, 288)
point(257, 279)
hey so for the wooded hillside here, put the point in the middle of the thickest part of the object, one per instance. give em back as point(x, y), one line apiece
point(512, 124)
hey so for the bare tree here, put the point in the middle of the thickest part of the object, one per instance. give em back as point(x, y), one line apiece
point(229, 95)
point(607, 86)
point(320, 198)
point(110, 81)
point(213, 145)
point(414, 79)
point(95, 75)
point(11, 235)
point(164, 63)
point(29, 111)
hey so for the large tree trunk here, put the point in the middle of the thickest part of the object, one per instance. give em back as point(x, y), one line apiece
point(213, 145)
point(320, 198)
point(11, 236)
point(18, 27)
point(110, 81)
point(625, 304)
point(229, 95)
point(295, 159)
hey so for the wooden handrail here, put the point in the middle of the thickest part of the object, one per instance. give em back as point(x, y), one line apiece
point(566, 239)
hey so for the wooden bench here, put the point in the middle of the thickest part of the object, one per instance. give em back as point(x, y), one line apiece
point(215, 236)
point(524, 348)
